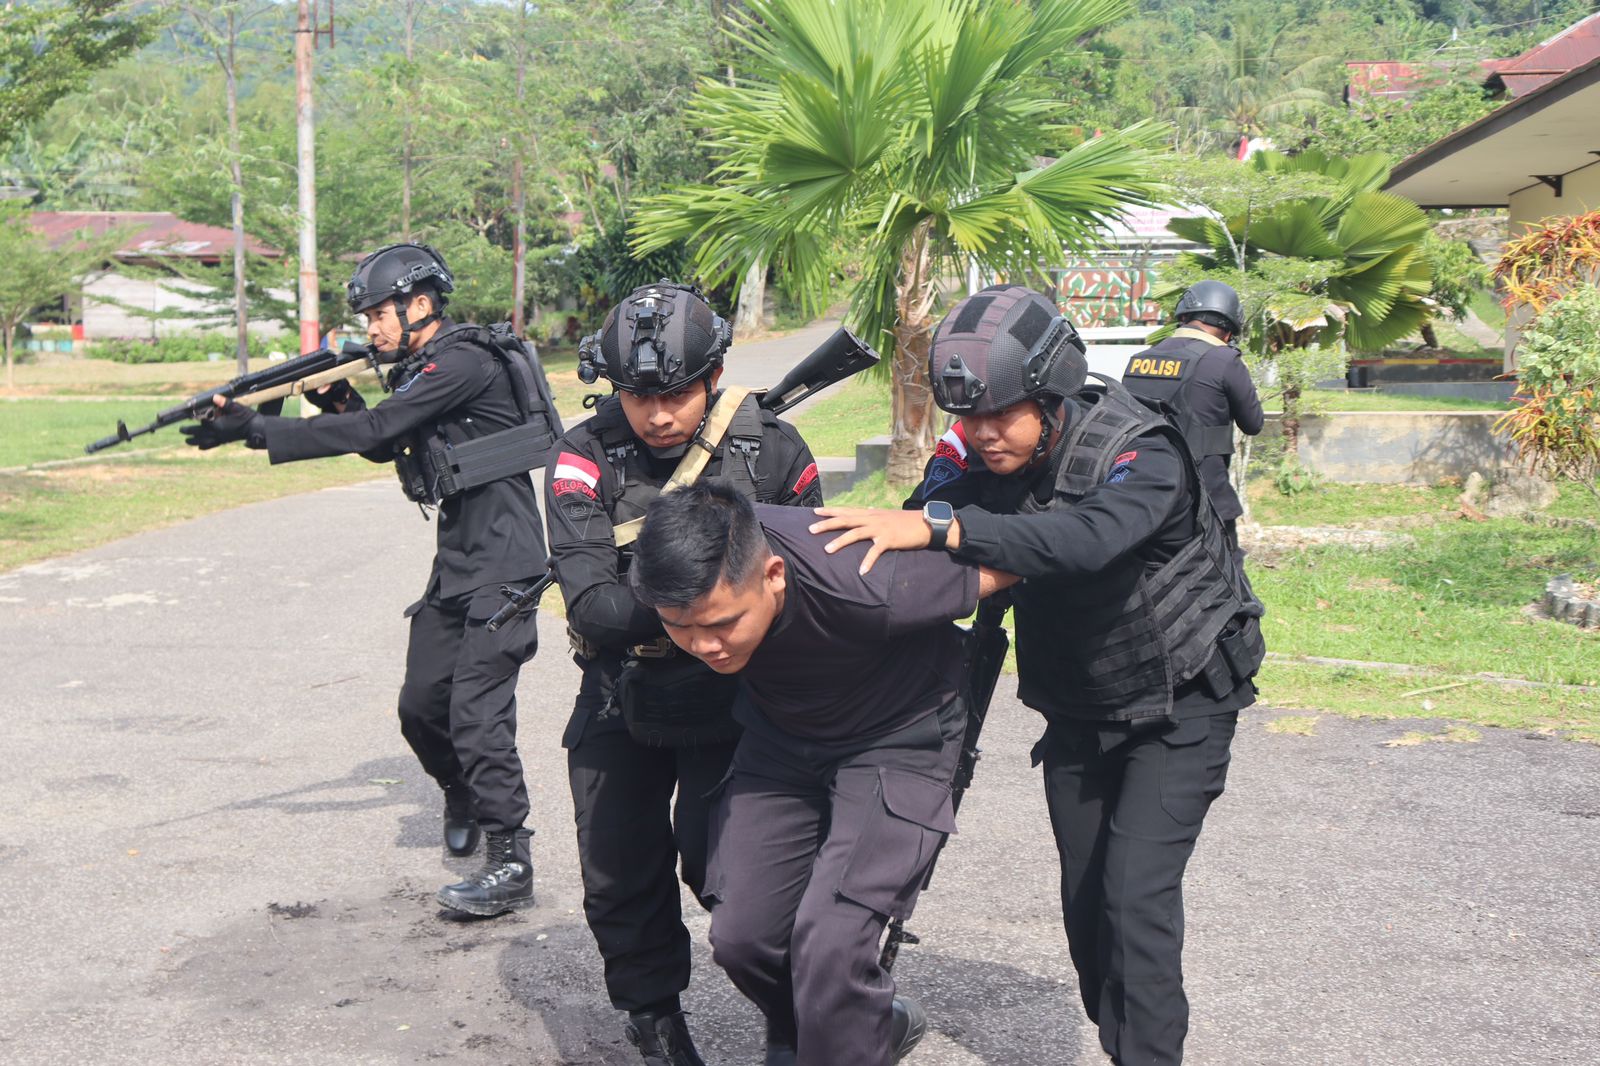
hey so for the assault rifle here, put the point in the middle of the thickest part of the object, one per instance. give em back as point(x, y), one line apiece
point(519, 600)
point(321, 367)
point(986, 647)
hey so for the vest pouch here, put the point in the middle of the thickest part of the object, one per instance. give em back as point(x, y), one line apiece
point(485, 459)
point(676, 702)
point(413, 474)
point(1243, 647)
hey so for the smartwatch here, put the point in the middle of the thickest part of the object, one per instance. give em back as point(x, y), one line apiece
point(939, 516)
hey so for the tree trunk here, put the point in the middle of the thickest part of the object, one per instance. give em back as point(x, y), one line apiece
point(241, 309)
point(1430, 339)
point(11, 376)
point(913, 409)
point(1291, 424)
point(752, 301)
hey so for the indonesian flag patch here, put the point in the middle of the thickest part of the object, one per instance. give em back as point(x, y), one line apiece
point(953, 445)
point(807, 476)
point(574, 473)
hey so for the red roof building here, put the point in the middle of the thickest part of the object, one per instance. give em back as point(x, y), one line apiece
point(1573, 47)
point(149, 234)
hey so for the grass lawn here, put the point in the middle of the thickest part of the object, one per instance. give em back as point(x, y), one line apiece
point(851, 412)
point(66, 405)
point(1330, 401)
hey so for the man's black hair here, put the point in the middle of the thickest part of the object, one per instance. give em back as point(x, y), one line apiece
point(693, 538)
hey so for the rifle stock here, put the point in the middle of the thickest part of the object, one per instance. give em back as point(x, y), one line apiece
point(840, 356)
point(256, 387)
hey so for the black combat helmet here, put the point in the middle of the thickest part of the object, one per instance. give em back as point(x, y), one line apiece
point(1003, 345)
point(661, 338)
point(1213, 303)
point(398, 270)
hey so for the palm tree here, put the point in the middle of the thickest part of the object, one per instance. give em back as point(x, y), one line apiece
point(1251, 84)
point(915, 130)
point(1343, 267)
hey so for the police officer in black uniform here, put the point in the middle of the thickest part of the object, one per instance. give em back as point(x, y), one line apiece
point(1137, 634)
point(449, 385)
point(1199, 373)
point(648, 719)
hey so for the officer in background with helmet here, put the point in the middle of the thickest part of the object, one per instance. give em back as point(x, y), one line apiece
point(1137, 634)
point(648, 719)
point(450, 385)
point(1199, 373)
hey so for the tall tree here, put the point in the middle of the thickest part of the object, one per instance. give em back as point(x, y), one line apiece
point(219, 24)
point(50, 49)
point(915, 130)
point(36, 274)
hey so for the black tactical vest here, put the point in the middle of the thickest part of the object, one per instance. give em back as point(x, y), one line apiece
point(1165, 373)
point(1133, 633)
point(740, 451)
point(440, 461)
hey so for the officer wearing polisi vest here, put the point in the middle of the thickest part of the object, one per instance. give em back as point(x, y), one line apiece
point(1198, 372)
point(1137, 634)
point(648, 719)
point(468, 415)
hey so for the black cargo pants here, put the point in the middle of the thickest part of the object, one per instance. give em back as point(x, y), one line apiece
point(458, 704)
point(813, 849)
point(631, 836)
point(1126, 817)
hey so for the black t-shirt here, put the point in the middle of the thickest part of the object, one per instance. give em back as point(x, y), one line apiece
point(855, 656)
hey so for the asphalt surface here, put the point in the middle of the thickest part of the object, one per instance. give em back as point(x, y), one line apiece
point(217, 849)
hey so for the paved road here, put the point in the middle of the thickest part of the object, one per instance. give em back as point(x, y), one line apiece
point(216, 850)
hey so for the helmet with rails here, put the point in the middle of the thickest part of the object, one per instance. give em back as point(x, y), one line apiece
point(1003, 345)
point(398, 270)
point(659, 339)
point(1213, 303)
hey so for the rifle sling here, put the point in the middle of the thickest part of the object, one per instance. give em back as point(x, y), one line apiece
point(699, 453)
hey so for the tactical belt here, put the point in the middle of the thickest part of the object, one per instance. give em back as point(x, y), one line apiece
point(660, 648)
point(694, 460)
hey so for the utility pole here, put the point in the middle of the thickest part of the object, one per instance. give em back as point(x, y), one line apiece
point(305, 45)
point(519, 195)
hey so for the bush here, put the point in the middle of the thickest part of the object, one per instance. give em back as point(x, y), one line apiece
point(188, 347)
point(1556, 427)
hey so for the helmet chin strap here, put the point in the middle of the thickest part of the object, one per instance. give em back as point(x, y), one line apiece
point(407, 327)
point(1049, 422)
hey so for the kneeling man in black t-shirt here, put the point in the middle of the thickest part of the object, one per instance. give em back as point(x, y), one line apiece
point(839, 793)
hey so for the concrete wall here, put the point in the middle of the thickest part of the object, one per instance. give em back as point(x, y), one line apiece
point(1399, 447)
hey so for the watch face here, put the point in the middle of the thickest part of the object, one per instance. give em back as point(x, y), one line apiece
point(939, 511)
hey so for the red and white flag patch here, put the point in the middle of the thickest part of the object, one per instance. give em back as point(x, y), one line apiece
point(953, 445)
point(574, 473)
point(807, 476)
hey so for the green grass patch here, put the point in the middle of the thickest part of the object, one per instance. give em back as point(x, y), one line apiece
point(850, 412)
point(872, 491)
point(1333, 401)
point(1456, 603)
point(1488, 309)
point(48, 513)
point(1379, 694)
point(1334, 504)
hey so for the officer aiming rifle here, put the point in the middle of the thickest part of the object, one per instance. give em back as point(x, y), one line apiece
point(313, 370)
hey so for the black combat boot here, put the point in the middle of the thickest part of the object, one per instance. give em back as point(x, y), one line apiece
point(460, 821)
point(907, 1026)
point(663, 1039)
point(505, 882)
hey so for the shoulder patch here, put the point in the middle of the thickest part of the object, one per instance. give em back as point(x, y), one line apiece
point(430, 368)
point(807, 476)
point(573, 473)
point(943, 470)
point(1120, 467)
point(952, 446)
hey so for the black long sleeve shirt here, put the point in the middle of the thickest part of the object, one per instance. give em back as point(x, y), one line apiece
point(487, 534)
